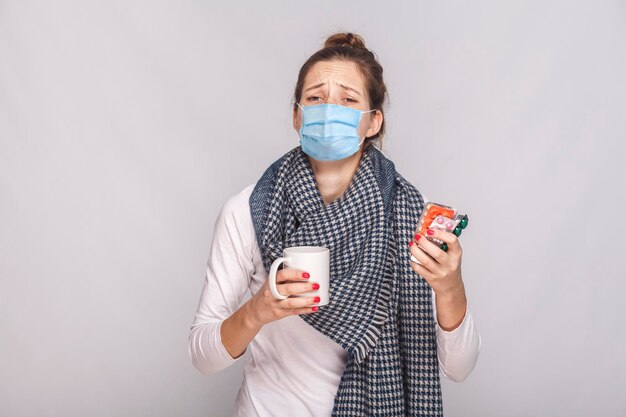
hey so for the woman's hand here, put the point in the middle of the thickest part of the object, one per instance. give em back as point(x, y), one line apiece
point(442, 271)
point(263, 308)
point(239, 329)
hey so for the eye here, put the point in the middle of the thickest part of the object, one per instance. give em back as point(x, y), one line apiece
point(350, 100)
point(313, 98)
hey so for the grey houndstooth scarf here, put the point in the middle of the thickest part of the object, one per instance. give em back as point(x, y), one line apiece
point(380, 311)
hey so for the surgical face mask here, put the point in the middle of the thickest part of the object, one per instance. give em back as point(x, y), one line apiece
point(330, 132)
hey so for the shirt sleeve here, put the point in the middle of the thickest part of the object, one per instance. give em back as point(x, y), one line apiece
point(458, 349)
point(228, 274)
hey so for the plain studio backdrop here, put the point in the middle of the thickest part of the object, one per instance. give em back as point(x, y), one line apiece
point(125, 125)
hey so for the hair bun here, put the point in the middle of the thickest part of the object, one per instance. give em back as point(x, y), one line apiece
point(345, 39)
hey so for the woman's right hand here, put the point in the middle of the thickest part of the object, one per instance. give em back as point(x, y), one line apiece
point(264, 308)
point(240, 328)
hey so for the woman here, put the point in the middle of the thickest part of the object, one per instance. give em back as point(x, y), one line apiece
point(378, 346)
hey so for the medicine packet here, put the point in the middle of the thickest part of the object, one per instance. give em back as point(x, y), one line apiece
point(441, 217)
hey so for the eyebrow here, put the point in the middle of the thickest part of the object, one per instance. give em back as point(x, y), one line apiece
point(349, 88)
point(313, 87)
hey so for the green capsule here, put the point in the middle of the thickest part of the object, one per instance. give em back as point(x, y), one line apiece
point(464, 222)
point(444, 247)
point(457, 231)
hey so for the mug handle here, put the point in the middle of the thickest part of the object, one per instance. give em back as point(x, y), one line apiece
point(272, 277)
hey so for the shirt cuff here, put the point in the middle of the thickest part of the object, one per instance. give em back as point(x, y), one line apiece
point(220, 346)
point(459, 336)
point(458, 350)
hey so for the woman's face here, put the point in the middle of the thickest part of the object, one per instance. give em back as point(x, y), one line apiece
point(338, 82)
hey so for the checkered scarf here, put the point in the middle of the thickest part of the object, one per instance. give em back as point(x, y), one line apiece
point(380, 311)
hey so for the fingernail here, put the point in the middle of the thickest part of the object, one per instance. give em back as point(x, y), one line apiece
point(316, 286)
point(417, 237)
point(306, 275)
point(411, 243)
point(314, 308)
point(316, 299)
point(430, 232)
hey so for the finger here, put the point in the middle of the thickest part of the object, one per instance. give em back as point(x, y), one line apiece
point(306, 310)
point(288, 274)
point(422, 271)
point(450, 238)
point(297, 287)
point(299, 302)
point(430, 248)
point(426, 260)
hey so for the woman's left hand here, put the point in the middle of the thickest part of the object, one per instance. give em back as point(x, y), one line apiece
point(442, 270)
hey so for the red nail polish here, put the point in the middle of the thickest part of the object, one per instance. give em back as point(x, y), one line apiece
point(317, 299)
point(417, 237)
point(314, 308)
point(430, 232)
point(306, 275)
point(411, 243)
point(316, 286)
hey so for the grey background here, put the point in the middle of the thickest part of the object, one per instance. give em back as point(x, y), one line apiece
point(125, 125)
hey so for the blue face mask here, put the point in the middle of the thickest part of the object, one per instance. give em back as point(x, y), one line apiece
point(330, 132)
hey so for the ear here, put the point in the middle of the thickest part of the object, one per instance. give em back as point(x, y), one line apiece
point(376, 121)
point(297, 119)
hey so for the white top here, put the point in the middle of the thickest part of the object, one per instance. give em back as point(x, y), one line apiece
point(292, 369)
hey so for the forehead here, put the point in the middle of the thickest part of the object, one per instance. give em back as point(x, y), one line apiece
point(336, 71)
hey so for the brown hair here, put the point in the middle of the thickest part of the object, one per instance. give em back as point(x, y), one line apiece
point(350, 47)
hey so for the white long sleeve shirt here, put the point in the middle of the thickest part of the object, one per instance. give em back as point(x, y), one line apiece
point(292, 369)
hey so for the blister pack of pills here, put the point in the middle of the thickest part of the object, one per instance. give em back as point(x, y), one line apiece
point(440, 217)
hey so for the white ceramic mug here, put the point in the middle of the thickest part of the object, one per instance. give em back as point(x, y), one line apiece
point(312, 259)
